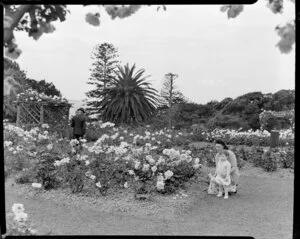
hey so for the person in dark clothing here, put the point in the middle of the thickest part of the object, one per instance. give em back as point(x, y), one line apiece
point(78, 123)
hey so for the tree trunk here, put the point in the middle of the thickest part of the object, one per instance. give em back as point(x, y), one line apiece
point(170, 103)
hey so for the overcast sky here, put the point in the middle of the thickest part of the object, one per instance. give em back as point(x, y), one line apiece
point(213, 56)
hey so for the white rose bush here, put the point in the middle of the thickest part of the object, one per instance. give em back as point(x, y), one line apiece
point(250, 137)
point(121, 158)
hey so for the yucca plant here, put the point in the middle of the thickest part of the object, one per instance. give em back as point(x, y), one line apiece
point(130, 99)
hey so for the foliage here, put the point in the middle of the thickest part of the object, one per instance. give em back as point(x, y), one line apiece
point(105, 61)
point(288, 158)
point(14, 78)
point(37, 20)
point(206, 154)
point(286, 33)
point(32, 95)
point(141, 158)
point(42, 86)
point(242, 112)
point(24, 150)
point(271, 119)
point(18, 78)
point(74, 174)
point(170, 96)
point(46, 171)
point(269, 161)
point(130, 99)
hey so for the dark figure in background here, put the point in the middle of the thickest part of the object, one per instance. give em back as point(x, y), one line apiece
point(78, 123)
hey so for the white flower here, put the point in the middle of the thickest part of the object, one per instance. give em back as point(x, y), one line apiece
point(7, 143)
point(98, 184)
point(166, 151)
point(168, 174)
point(21, 217)
point(189, 159)
point(50, 146)
point(160, 184)
point(19, 148)
point(18, 208)
point(83, 140)
point(126, 185)
point(154, 168)
point(145, 167)
point(87, 162)
point(65, 160)
point(93, 177)
point(45, 126)
point(131, 172)
point(83, 157)
point(197, 160)
point(36, 185)
point(57, 163)
point(121, 138)
point(183, 157)
point(32, 231)
point(161, 160)
point(137, 164)
point(150, 159)
point(196, 166)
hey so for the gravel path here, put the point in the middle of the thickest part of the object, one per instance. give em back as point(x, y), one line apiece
point(263, 208)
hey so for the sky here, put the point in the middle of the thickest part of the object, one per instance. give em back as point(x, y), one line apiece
point(214, 57)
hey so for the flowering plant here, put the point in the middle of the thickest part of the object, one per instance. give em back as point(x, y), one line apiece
point(237, 137)
point(19, 225)
point(34, 96)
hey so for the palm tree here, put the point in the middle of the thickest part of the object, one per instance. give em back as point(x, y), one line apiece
point(130, 99)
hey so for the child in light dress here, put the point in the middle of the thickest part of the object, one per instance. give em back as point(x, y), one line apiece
point(222, 174)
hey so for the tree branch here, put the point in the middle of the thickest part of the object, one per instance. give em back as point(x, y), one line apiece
point(16, 17)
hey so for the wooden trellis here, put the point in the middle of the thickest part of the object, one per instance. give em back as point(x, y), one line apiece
point(32, 114)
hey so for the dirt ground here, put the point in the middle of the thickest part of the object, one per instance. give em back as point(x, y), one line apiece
point(262, 208)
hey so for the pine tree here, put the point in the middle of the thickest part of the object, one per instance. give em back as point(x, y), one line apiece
point(105, 61)
point(170, 96)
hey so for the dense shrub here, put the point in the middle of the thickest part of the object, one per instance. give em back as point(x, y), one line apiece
point(269, 161)
point(93, 133)
point(205, 153)
point(289, 158)
point(75, 174)
point(46, 172)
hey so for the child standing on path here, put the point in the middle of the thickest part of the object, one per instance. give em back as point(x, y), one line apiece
point(222, 174)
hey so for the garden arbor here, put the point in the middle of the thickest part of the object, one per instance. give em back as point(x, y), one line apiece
point(35, 113)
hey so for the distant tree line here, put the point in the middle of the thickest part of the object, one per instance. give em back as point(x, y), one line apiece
point(241, 112)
